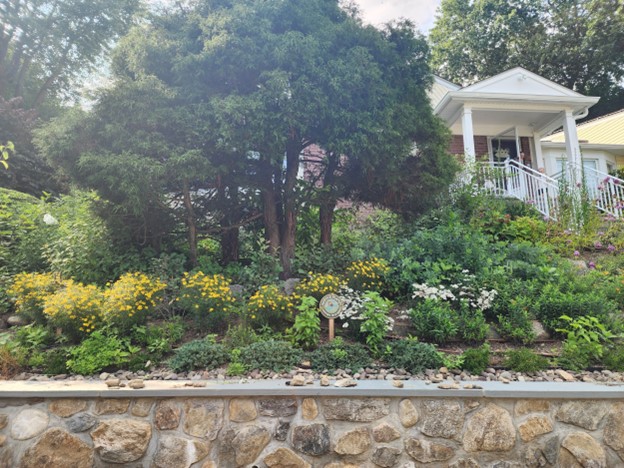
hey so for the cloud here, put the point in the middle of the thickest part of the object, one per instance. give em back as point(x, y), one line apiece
point(421, 12)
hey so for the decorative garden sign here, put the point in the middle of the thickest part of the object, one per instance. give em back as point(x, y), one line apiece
point(331, 307)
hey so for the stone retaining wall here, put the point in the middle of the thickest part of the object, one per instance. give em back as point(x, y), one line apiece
point(310, 431)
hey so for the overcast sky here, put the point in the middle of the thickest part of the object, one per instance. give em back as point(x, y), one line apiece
point(420, 12)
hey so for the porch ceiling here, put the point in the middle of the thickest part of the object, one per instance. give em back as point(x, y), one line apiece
point(500, 122)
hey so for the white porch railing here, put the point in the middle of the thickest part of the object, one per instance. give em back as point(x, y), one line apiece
point(514, 179)
point(605, 190)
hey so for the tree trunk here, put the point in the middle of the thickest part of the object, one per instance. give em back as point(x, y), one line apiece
point(230, 230)
point(328, 199)
point(289, 226)
point(326, 219)
point(271, 222)
point(191, 226)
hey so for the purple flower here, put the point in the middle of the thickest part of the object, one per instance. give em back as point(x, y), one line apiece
point(601, 233)
point(611, 248)
point(598, 245)
point(592, 266)
point(577, 253)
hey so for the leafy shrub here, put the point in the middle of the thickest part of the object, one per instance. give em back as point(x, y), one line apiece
point(30, 290)
point(306, 330)
point(76, 309)
point(318, 285)
point(239, 336)
point(81, 245)
point(99, 352)
point(375, 321)
point(158, 339)
point(55, 361)
point(613, 359)
point(476, 360)
point(131, 299)
point(413, 356)
point(270, 306)
point(433, 320)
point(202, 295)
point(33, 337)
point(278, 356)
point(367, 275)
point(525, 228)
point(555, 303)
point(525, 360)
point(339, 355)
point(586, 340)
point(471, 324)
point(198, 354)
point(516, 324)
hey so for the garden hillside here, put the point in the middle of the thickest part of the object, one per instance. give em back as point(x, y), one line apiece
point(477, 283)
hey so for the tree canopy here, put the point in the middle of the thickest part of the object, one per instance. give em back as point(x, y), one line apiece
point(217, 102)
point(576, 43)
point(47, 47)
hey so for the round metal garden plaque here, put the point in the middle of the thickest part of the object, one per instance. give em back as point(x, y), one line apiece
point(331, 306)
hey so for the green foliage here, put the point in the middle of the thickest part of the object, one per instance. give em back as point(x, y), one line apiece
point(98, 352)
point(80, 245)
point(158, 339)
point(433, 320)
point(543, 37)
point(55, 361)
point(306, 330)
point(516, 324)
point(613, 359)
point(413, 356)
point(471, 324)
point(555, 302)
point(34, 337)
point(441, 255)
point(375, 321)
point(235, 367)
point(239, 336)
point(525, 360)
point(585, 343)
point(277, 356)
point(339, 355)
point(198, 354)
point(476, 360)
point(452, 361)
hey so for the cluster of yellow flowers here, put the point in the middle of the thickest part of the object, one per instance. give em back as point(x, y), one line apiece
point(131, 297)
point(318, 285)
point(75, 307)
point(30, 291)
point(367, 275)
point(202, 293)
point(79, 309)
point(270, 303)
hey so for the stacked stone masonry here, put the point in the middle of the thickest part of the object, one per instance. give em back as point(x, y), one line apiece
point(298, 432)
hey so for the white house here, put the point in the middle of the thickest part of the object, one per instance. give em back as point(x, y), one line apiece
point(507, 121)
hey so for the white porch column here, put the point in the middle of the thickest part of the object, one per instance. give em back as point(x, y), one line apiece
point(468, 133)
point(573, 150)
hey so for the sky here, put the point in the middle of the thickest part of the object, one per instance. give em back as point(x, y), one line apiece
point(421, 12)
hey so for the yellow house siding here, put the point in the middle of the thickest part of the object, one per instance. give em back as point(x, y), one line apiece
point(606, 130)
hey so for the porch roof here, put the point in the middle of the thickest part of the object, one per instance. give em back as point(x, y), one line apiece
point(516, 101)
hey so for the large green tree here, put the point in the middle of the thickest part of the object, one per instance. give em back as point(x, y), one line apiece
point(576, 43)
point(242, 88)
point(47, 48)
